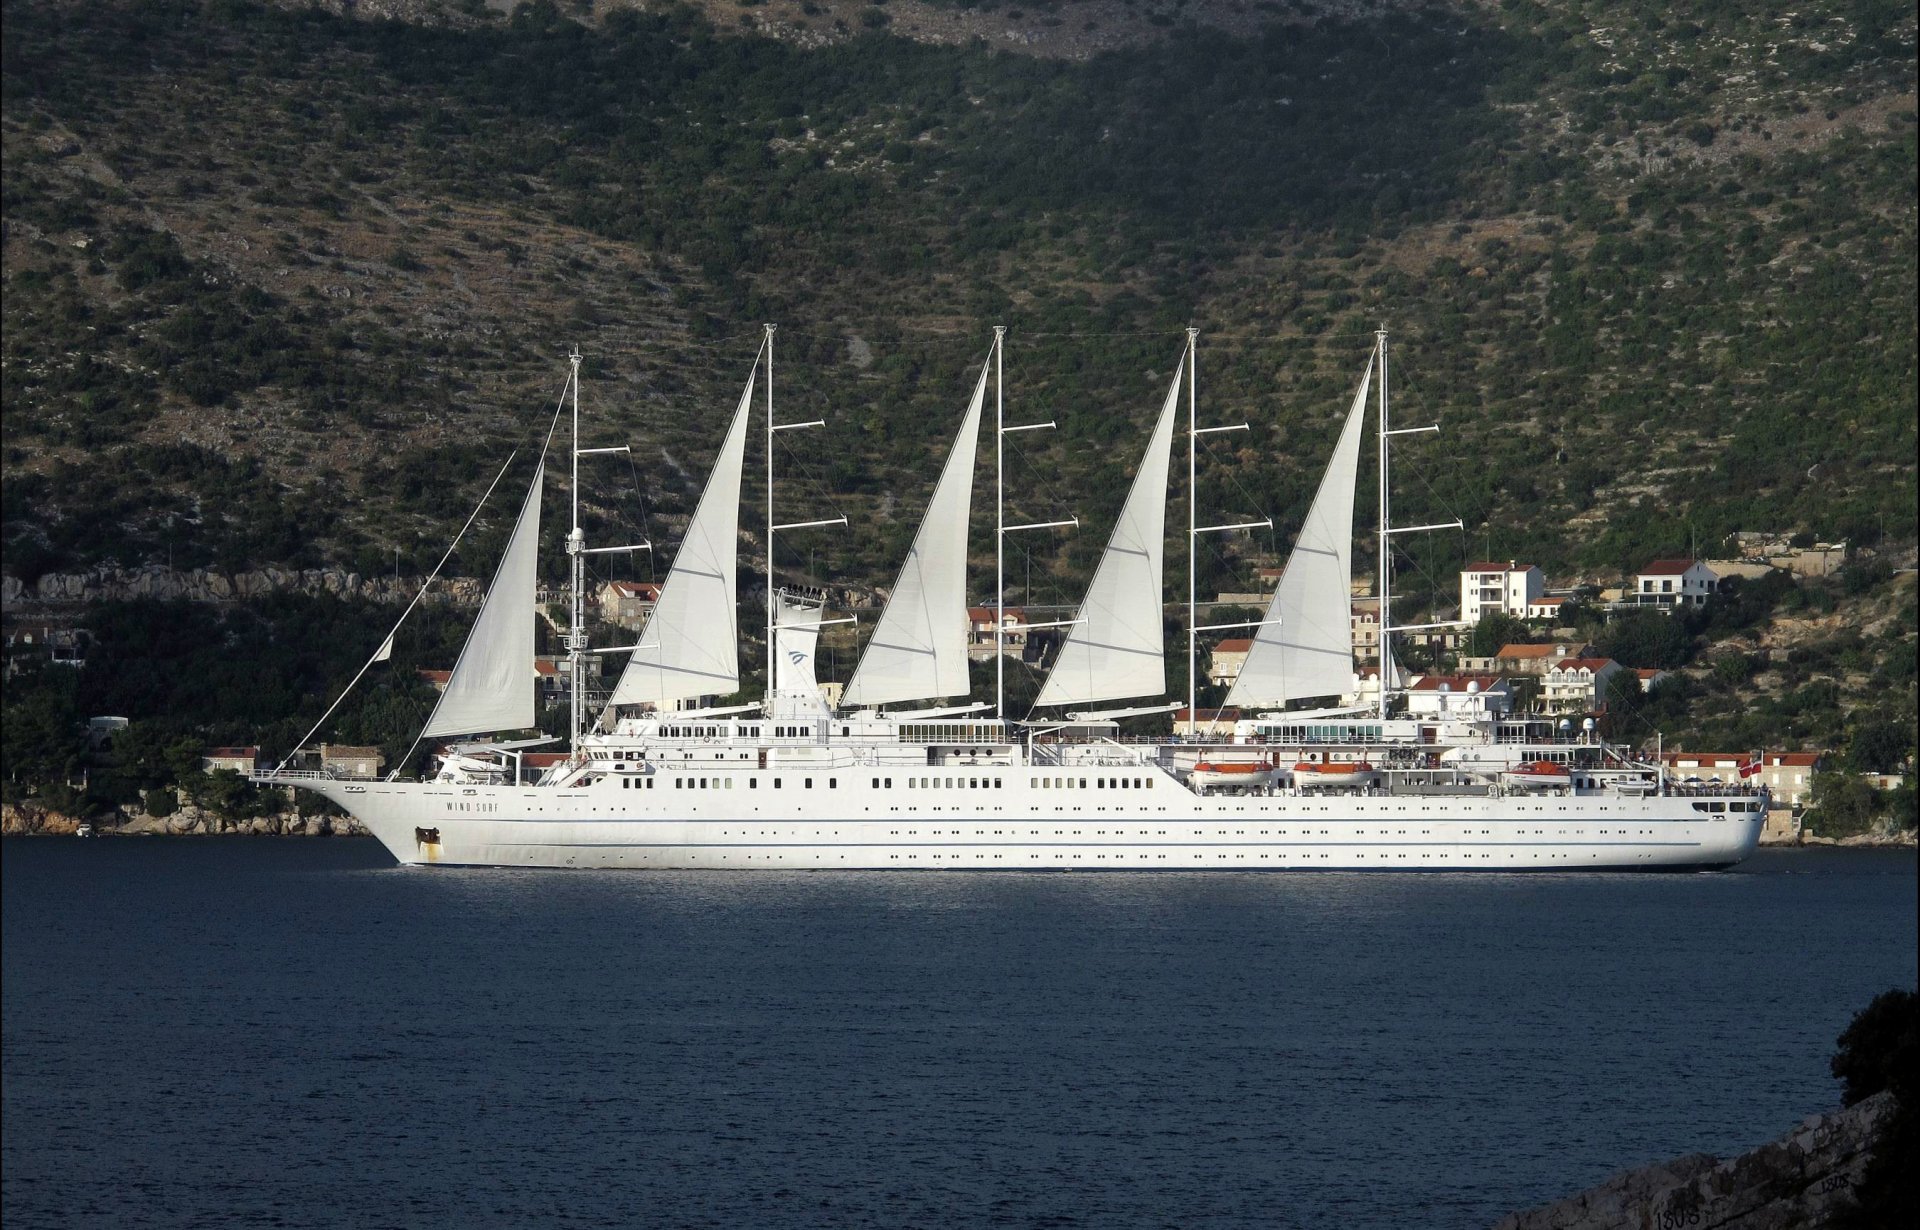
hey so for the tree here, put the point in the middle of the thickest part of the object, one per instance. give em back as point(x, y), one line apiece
point(1843, 805)
point(1646, 638)
point(1495, 629)
point(1880, 1050)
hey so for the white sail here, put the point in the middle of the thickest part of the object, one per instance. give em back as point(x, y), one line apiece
point(919, 649)
point(1117, 647)
point(1309, 652)
point(796, 651)
point(491, 687)
point(691, 642)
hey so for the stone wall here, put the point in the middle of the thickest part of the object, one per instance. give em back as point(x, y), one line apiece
point(1803, 1179)
point(207, 585)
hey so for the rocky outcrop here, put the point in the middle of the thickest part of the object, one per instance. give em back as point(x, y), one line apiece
point(21, 819)
point(206, 585)
point(1804, 1179)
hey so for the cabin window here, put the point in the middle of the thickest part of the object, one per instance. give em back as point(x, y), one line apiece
point(809, 783)
point(833, 783)
point(889, 783)
point(753, 783)
point(776, 783)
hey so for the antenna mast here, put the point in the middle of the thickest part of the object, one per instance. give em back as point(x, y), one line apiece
point(577, 569)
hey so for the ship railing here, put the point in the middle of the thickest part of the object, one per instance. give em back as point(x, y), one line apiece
point(1711, 790)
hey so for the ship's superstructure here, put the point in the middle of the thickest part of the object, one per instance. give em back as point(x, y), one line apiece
point(658, 781)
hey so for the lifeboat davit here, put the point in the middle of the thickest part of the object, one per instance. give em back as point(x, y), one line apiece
point(1239, 775)
point(1538, 775)
point(1309, 774)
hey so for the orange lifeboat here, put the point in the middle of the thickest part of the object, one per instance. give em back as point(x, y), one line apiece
point(1538, 775)
point(1309, 774)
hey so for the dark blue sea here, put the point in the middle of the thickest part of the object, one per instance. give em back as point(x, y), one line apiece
point(261, 1032)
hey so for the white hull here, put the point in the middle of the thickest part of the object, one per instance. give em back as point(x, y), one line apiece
point(857, 826)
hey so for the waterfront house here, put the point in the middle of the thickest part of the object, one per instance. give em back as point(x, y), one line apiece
point(240, 760)
point(1459, 696)
point(1579, 685)
point(340, 760)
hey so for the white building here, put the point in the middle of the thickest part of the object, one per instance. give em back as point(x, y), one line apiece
point(1673, 582)
point(1459, 696)
point(1508, 588)
point(1579, 685)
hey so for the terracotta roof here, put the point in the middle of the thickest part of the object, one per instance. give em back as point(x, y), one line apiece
point(635, 589)
point(1527, 651)
point(434, 676)
point(546, 668)
point(1595, 665)
point(233, 753)
point(340, 751)
point(1793, 759)
point(984, 615)
point(1456, 683)
point(1666, 568)
point(1509, 566)
point(1548, 602)
point(1234, 644)
point(1651, 672)
point(542, 760)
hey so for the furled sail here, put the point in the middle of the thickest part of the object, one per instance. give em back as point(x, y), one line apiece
point(691, 642)
point(1309, 652)
point(919, 649)
point(796, 647)
point(491, 687)
point(1116, 649)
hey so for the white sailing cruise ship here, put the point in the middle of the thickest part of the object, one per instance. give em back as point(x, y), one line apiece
point(795, 783)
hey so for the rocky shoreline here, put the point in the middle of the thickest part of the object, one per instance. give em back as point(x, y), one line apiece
point(191, 820)
point(1803, 1179)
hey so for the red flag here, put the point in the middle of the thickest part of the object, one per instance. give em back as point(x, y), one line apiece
point(1751, 767)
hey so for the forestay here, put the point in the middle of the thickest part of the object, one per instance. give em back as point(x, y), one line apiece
point(919, 648)
point(1309, 650)
point(1116, 648)
point(691, 643)
point(491, 687)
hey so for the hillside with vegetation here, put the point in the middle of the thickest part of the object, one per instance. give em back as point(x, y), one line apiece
point(285, 286)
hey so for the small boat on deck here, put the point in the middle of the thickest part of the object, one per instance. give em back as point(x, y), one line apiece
point(1537, 775)
point(1333, 774)
point(1231, 775)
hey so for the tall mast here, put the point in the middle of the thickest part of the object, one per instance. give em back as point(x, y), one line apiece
point(999, 526)
point(1193, 539)
point(1001, 529)
point(1195, 529)
point(1386, 639)
point(577, 616)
